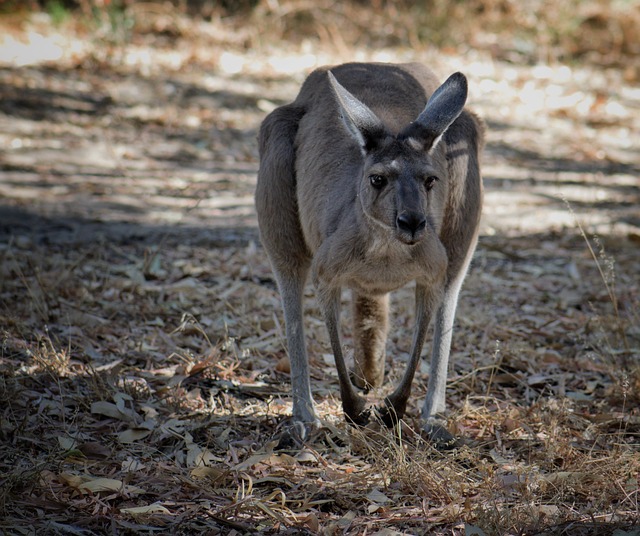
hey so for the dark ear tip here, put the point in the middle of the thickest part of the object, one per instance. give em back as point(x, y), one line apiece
point(459, 79)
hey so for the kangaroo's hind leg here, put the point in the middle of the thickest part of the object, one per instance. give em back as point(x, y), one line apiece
point(428, 298)
point(370, 326)
point(283, 239)
point(459, 236)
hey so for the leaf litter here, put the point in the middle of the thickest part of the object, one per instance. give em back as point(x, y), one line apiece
point(144, 366)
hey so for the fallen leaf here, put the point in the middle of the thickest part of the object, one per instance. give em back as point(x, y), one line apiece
point(378, 497)
point(251, 461)
point(149, 509)
point(548, 509)
point(67, 443)
point(75, 481)
point(346, 520)
point(109, 409)
point(283, 365)
point(310, 521)
point(306, 456)
point(133, 434)
point(97, 485)
point(571, 479)
point(510, 425)
point(472, 530)
point(131, 466)
point(204, 471)
point(94, 450)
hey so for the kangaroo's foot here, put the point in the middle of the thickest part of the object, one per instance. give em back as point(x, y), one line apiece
point(438, 435)
point(295, 434)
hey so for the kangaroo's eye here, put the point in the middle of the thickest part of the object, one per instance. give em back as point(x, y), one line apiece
point(430, 181)
point(377, 181)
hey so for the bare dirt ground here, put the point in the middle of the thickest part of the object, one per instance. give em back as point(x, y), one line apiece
point(144, 371)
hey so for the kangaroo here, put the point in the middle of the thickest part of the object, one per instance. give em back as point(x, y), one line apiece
point(369, 180)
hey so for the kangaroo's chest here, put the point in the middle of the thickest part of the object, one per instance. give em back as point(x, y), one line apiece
point(387, 266)
point(379, 279)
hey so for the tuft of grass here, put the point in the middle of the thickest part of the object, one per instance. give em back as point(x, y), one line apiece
point(613, 329)
point(58, 12)
point(539, 31)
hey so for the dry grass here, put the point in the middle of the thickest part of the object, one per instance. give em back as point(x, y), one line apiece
point(604, 32)
point(143, 373)
point(540, 30)
point(121, 410)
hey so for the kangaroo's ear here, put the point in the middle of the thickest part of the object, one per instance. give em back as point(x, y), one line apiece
point(361, 123)
point(442, 109)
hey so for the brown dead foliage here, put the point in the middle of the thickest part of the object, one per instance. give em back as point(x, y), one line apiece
point(143, 371)
point(135, 402)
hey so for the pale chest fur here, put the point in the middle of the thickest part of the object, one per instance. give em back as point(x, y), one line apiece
point(388, 264)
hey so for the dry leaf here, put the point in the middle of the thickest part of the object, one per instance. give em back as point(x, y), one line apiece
point(252, 460)
point(310, 521)
point(346, 520)
point(281, 459)
point(205, 471)
point(510, 425)
point(106, 408)
point(306, 456)
point(66, 443)
point(94, 450)
point(131, 466)
point(472, 530)
point(284, 365)
point(149, 509)
point(133, 434)
point(548, 509)
point(121, 400)
point(109, 409)
point(75, 481)
point(202, 458)
point(97, 485)
point(571, 479)
point(378, 497)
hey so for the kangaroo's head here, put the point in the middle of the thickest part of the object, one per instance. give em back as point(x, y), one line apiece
point(403, 185)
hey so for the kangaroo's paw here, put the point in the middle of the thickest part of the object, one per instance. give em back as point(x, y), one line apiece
point(359, 382)
point(439, 436)
point(356, 411)
point(360, 419)
point(295, 434)
point(392, 411)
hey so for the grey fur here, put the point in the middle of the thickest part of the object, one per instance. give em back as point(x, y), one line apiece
point(346, 192)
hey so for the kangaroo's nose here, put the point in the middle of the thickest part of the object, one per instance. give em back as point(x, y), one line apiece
point(411, 222)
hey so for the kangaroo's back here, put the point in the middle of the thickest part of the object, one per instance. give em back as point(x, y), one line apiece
point(395, 93)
